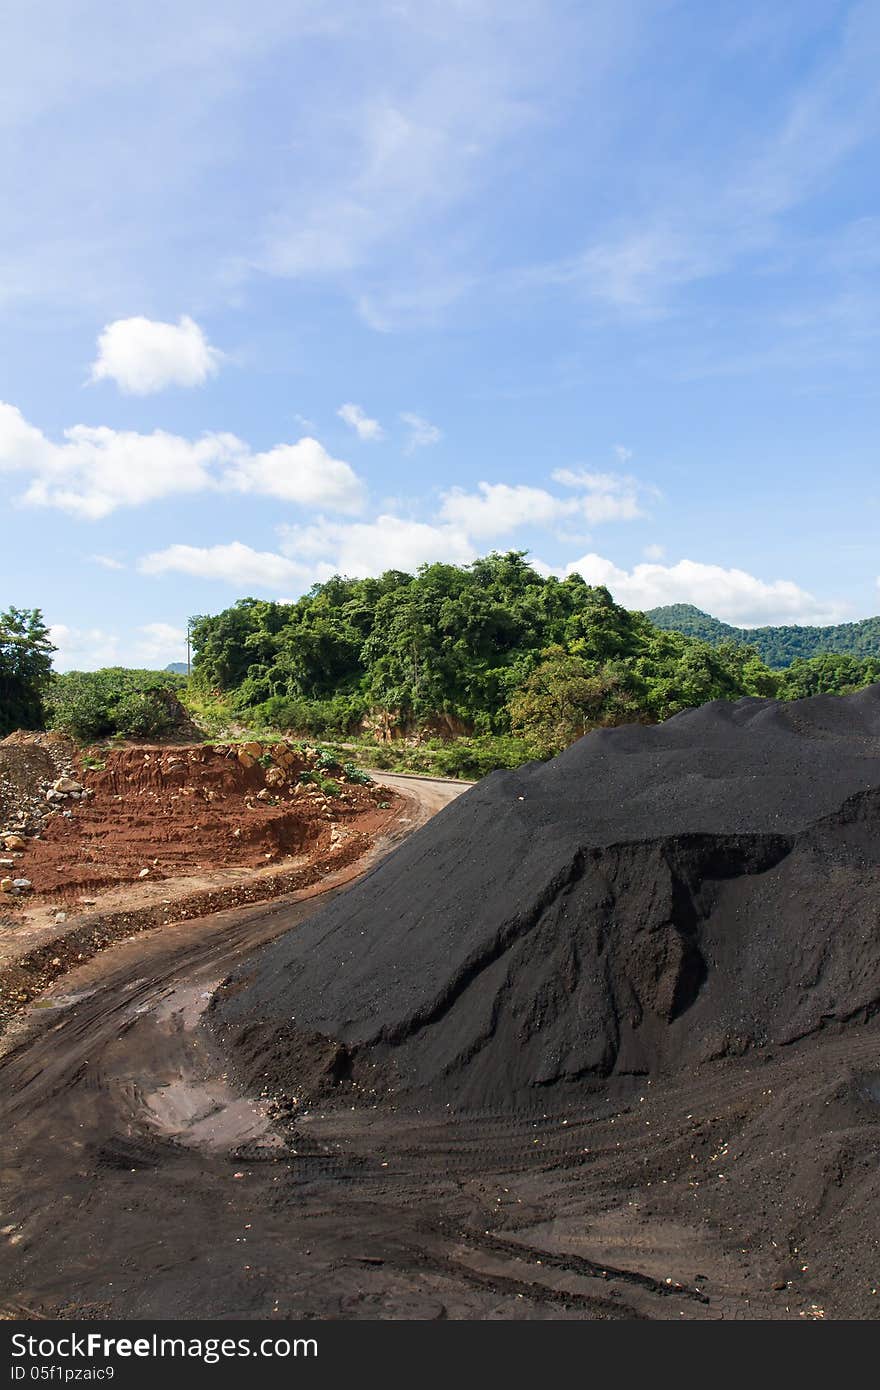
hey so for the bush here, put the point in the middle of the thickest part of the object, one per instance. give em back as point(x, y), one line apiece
point(115, 702)
point(339, 715)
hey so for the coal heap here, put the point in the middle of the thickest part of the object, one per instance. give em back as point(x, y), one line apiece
point(652, 899)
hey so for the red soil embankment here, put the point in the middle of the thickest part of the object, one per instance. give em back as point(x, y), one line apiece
point(183, 810)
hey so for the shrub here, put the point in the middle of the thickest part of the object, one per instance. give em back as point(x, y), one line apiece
point(114, 702)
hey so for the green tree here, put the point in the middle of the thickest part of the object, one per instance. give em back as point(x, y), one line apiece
point(25, 668)
point(564, 697)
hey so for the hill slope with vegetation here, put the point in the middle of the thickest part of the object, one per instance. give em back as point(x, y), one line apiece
point(483, 665)
point(777, 646)
point(491, 649)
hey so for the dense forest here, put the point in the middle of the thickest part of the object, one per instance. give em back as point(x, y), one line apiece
point(490, 648)
point(503, 662)
point(777, 646)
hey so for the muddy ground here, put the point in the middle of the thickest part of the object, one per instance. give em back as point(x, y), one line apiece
point(161, 834)
point(138, 1181)
point(142, 1177)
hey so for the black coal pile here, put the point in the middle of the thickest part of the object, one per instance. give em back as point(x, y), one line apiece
point(651, 899)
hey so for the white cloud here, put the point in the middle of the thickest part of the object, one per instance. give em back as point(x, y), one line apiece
point(160, 643)
point(303, 472)
point(654, 552)
point(107, 562)
point(235, 564)
point(421, 432)
point(369, 548)
point(97, 469)
point(316, 552)
point(730, 594)
point(498, 508)
point(606, 496)
point(153, 645)
point(143, 356)
point(359, 421)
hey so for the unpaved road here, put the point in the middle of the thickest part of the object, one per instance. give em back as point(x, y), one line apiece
point(137, 1182)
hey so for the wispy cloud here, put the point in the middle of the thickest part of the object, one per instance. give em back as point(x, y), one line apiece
point(356, 417)
point(421, 432)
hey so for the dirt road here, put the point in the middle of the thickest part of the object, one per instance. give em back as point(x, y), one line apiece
point(138, 1182)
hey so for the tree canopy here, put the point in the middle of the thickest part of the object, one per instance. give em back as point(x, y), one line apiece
point(490, 644)
point(777, 646)
point(25, 668)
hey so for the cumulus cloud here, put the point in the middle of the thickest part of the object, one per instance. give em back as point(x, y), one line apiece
point(498, 508)
point(236, 564)
point(360, 422)
point(107, 562)
point(731, 594)
point(143, 355)
point(97, 469)
point(369, 548)
point(303, 472)
point(421, 432)
point(152, 645)
point(315, 552)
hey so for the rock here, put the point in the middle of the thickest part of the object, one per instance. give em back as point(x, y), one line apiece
point(264, 795)
point(7, 863)
point(255, 750)
point(7, 885)
point(144, 873)
point(14, 842)
point(60, 917)
point(66, 784)
point(56, 796)
point(284, 756)
point(22, 885)
point(245, 758)
point(274, 777)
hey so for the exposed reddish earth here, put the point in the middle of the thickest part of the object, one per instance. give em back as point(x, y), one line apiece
point(163, 834)
point(178, 811)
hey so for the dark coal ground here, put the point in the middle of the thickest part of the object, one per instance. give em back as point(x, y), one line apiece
point(649, 900)
point(680, 923)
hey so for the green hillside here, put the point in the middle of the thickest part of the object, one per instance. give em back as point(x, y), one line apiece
point(777, 646)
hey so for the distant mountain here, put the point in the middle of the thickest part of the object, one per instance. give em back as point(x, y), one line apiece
point(778, 646)
point(178, 667)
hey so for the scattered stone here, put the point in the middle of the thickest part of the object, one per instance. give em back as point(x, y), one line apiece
point(144, 873)
point(66, 784)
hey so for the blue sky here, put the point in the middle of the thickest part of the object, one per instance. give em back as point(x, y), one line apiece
point(295, 288)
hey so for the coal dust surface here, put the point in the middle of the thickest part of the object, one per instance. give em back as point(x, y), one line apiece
point(650, 900)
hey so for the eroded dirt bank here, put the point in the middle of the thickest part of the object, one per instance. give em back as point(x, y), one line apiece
point(156, 834)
